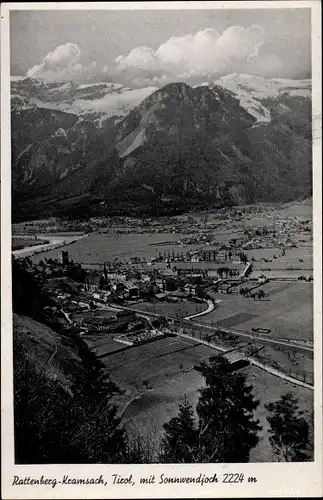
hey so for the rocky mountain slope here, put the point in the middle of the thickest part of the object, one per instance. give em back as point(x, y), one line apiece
point(93, 147)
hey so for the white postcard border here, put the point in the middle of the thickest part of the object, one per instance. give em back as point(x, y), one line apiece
point(273, 479)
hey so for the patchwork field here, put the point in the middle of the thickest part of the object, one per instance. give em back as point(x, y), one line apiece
point(287, 311)
point(134, 366)
point(163, 374)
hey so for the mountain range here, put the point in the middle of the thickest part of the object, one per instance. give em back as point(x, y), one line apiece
point(104, 148)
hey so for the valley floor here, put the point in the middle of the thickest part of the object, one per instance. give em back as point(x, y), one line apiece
point(168, 367)
point(155, 376)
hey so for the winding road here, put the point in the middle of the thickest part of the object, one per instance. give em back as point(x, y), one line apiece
point(210, 308)
point(215, 329)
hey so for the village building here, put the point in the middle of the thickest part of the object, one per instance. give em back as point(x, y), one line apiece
point(92, 281)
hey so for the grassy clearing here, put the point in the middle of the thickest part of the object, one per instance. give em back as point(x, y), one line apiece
point(170, 309)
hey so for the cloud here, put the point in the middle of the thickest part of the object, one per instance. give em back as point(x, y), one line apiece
point(62, 64)
point(192, 56)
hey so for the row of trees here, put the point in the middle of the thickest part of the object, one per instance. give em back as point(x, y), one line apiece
point(225, 272)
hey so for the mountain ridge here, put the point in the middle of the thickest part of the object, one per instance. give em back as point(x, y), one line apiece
point(207, 144)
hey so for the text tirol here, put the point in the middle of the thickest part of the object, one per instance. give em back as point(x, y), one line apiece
point(117, 479)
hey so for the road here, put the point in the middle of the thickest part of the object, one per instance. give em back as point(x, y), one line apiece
point(140, 314)
point(216, 329)
point(269, 369)
point(253, 336)
point(265, 367)
point(210, 308)
point(54, 242)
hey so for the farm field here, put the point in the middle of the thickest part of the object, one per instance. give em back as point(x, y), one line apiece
point(154, 362)
point(290, 360)
point(20, 242)
point(224, 236)
point(288, 261)
point(103, 247)
point(287, 310)
point(265, 253)
point(288, 264)
point(295, 209)
point(163, 374)
point(175, 310)
point(102, 344)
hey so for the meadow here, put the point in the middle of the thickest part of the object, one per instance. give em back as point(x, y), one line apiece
point(108, 247)
point(171, 309)
point(287, 311)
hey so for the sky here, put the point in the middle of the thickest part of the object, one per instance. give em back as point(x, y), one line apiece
point(151, 47)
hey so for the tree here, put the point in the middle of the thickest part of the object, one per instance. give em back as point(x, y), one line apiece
point(288, 428)
point(170, 284)
point(226, 429)
point(220, 271)
point(61, 427)
point(28, 297)
point(179, 442)
point(200, 292)
point(243, 257)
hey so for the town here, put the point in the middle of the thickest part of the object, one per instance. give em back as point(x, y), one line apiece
point(237, 284)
